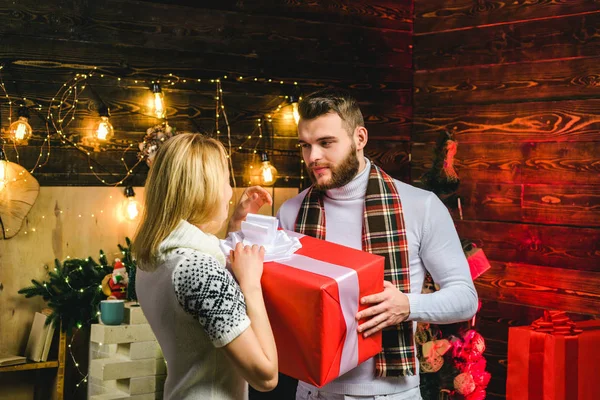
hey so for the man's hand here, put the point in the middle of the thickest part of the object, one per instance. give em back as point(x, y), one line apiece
point(251, 201)
point(390, 308)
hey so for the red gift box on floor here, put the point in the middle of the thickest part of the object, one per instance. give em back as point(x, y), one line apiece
point(312, 299)
point(554, 360)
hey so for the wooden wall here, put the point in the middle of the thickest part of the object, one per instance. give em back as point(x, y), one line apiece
point(74, 222)
point(363, 46)
point(517, 83)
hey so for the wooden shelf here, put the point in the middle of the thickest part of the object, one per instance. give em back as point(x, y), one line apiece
point(29, 365)
point(58, 386)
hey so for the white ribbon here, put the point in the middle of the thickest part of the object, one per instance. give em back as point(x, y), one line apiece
point(280, 247)
point(262, 230)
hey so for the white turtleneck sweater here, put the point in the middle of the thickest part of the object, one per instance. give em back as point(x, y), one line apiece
point(194, 306)
point(434, 246)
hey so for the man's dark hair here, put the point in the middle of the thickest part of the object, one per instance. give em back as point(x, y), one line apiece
point(332, 100)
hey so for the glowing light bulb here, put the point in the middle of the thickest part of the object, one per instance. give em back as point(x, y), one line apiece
point(3, 170)
point(20, 130)
point(132, 209)
point(295, 112)
point(268, 173)
point(105, 130)
point(158, 101)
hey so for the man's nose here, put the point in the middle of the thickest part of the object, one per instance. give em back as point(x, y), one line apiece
point(314, 155)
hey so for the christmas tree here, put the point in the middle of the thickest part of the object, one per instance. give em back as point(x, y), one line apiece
point(450, 356)
point(73, 289)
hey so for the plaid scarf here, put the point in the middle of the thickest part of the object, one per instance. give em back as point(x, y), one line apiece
point(383, 234)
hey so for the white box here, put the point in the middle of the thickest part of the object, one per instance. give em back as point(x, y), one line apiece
point(106, 369)
point(140, 350)
point(110, 334)
point(133, 314)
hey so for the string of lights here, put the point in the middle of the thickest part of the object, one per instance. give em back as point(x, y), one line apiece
point(62, 112)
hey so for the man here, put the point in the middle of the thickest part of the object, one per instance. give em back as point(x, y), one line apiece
point(354, 203)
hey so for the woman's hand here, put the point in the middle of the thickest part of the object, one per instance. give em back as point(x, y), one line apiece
point(247, 264)
point(251, 201)
point(253, 352)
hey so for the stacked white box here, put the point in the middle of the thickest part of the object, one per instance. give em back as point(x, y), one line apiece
point(125, 360)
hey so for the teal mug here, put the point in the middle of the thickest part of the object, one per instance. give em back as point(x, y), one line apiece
point(112, 312)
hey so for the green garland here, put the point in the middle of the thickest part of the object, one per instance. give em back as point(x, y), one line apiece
point(73, 289)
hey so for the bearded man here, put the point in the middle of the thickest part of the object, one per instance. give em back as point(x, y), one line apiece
point(354, 203)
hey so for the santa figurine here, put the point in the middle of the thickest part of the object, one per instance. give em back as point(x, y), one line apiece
point(115, 285)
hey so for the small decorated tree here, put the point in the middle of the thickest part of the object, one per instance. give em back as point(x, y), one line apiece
point(74, 290)
point(450, 356)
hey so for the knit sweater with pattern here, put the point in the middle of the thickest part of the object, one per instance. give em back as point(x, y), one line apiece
point(194, 307)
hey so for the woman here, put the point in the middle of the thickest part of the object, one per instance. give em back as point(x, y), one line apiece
point(214, 332)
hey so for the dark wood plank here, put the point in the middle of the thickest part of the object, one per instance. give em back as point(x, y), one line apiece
point(545, 80)
point(194, 111)
point(565, 205)
point(570, 120)
point(554, 246)
point(561, 163)
point(474, 161)
point(159, 27)
point(544, 163)
point(394, 125)
point(391, 156)
point(552, 38)
point(562, 204)
point(71, 167)
point(489, 202)
point(389, 14)
point(543, 287)
point(28, 72)
point(440, 15)
point(77, 54)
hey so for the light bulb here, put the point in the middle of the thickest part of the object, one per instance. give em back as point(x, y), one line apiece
point(105, 130)
point(158, 101)
point(268, 173)
point(3, 173)
point(295, 112)
point(20, 130)
point(131, 208)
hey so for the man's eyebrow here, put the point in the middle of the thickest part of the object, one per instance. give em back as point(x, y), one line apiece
point(327, 138)
point(300, 141)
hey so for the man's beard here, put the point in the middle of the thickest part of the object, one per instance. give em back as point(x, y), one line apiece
point(341, 175)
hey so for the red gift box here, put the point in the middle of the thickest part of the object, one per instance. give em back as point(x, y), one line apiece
point(555, 359)
point(312, 299)
point(478, 262)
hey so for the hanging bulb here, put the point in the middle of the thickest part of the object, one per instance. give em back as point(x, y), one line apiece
point(105, 130)
point(295, 112)
point(131, 207)
point(3, 170)
point(20, 130)
point(158, 101)
point(268, 173)
point(293, 100)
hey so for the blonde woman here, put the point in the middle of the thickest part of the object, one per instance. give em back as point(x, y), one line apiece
point(214, 332)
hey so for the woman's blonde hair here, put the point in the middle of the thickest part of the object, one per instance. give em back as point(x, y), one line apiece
point(185, 182)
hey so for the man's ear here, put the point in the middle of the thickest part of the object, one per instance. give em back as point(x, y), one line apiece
point(361, 136)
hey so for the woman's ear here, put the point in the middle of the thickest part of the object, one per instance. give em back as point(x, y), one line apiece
point(361, 136)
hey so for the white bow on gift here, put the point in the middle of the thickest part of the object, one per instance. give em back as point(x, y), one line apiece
point(262, 230)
